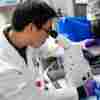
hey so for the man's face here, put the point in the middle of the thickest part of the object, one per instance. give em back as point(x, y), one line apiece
point(39, 36)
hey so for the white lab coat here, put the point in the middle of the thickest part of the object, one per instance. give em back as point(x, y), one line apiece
point(17, 78)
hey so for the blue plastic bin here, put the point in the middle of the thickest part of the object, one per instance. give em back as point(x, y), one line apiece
point(75, 28)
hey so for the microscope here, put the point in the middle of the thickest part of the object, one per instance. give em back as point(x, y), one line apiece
point(52, 72)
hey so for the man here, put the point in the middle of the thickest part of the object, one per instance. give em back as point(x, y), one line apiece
point(20, 59)
point(31, 22)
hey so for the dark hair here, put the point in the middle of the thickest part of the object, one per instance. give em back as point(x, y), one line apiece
point(36, 12)
point(96, 28)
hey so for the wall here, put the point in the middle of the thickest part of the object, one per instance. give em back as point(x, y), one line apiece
point(65, 5)
point(5, 17)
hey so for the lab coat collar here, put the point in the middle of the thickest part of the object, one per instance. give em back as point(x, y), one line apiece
point(9, 53)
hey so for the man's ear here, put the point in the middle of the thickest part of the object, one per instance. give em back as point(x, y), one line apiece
point(29, 27)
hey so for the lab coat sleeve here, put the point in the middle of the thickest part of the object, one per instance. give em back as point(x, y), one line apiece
point(11, 80)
